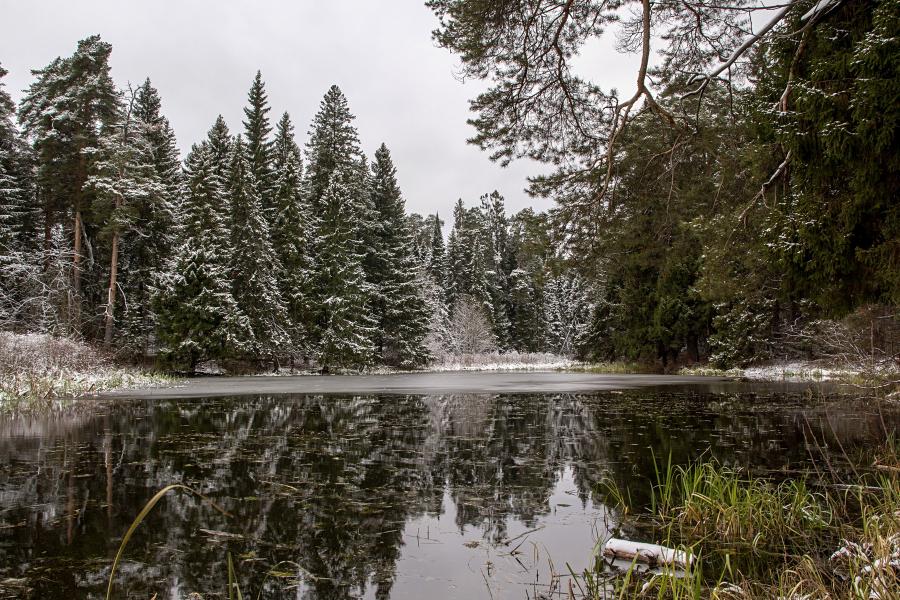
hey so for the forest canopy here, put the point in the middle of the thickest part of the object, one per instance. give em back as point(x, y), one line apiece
point(739, 199)
point(745, 188)
point(254, 251)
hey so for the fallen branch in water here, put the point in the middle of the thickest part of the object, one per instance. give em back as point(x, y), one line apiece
point(653, 554)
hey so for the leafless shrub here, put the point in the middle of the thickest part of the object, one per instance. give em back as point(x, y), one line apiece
point(867, 340)
point(46, 354)
point(470, 330)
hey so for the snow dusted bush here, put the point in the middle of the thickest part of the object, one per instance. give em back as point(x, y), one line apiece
point(507, 361)
point(42, 353)
point(470, 330)
point(41, 367)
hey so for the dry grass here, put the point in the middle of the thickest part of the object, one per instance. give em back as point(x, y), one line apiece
point(40, 372)
point(755, 538)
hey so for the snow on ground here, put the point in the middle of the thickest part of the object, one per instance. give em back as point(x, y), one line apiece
point(801, 371)
point(509, 361)
point(39, 369)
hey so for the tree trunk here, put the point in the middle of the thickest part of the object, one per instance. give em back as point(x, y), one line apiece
point(693, 349)
point(48, 228)
point(75, 297)
point(111, 296)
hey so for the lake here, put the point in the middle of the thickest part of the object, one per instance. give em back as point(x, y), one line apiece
point(375, 494)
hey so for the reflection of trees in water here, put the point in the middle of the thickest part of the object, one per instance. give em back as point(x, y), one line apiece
point(329, 482)
point(501, 456)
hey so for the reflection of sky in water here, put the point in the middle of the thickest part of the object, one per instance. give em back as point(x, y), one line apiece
point(376, 496)
point(441, 560)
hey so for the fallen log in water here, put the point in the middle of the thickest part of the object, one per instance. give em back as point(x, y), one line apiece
point(652, 554)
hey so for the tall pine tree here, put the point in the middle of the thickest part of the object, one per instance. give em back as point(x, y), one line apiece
point(259, 147)
point(293, 233)
point(64, 112)
point(198, 317)
point(400, 308)
point(126, 184)
point(254, 266)
point(345, 323)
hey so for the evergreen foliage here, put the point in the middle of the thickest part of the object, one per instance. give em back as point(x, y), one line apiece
point(293, 231)
point(333, 146)
point(254, 265)
point(840, 124)
point(19, 214)
point(345, 324)
point(128, 189)
point(259, 147)
point(692, 223)
point(64, 113)
point(147, 252)
point(199, 319)
point(400, 308)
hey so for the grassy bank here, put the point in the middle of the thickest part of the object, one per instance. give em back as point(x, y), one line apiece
point(42, 372)
point(876, 375)
point(822, 536)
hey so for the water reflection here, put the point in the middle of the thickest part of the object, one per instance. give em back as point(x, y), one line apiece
point(366, 496)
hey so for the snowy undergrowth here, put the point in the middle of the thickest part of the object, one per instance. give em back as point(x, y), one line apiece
point(507, 361)
point(42, 371)
point(800, 371)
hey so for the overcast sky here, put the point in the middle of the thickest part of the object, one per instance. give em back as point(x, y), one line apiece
point(202, 56)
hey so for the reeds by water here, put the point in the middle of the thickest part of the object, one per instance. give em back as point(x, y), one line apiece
point(756, 538)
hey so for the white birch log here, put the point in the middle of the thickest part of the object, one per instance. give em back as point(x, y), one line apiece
point(646, 553)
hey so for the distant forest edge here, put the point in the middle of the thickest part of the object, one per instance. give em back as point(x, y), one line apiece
point(744, 235)
point(252, 250)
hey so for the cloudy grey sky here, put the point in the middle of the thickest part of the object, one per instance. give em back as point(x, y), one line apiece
point(202, 56)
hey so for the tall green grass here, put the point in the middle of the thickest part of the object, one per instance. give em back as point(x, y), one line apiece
point(755, 538)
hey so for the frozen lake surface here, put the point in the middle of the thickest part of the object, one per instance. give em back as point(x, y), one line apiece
point(412, 383)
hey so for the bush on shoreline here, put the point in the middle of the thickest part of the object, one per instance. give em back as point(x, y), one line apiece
point(39, 371)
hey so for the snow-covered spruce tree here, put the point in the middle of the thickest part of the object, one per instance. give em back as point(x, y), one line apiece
point(526, 314)
point(64, 111)
point(399, 307)
point(220, 140)
point(346, 326)
point(293, 230)
point(333, 145)
point(254, 266)
point(420, 230)
point(457, 255)
point(438, 340)
point(259, 147)
point(468, 256)
point(498, 264)
point(333, 156)
point(567, 312)
point(434, 286)
point(198, 317)
point(124, 181)
point(146, 254)
point(437, 259)
point(19, 217)
point(19, 214)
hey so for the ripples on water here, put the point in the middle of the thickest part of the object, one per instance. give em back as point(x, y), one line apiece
point(379, 496)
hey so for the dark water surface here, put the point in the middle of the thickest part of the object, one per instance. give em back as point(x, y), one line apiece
point(375, 496)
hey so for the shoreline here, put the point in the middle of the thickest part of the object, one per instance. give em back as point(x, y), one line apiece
point(458, 382)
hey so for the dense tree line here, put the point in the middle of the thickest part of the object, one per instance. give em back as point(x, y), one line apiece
point(252, 250)
point(746, 191)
